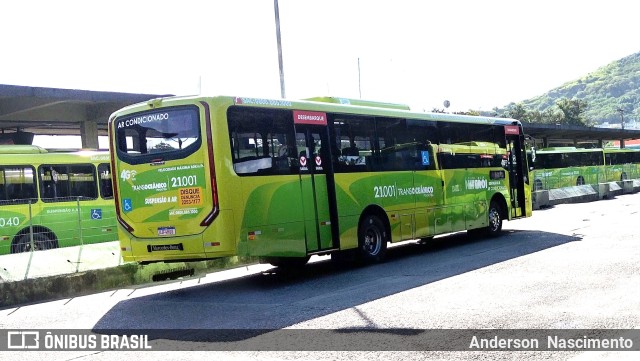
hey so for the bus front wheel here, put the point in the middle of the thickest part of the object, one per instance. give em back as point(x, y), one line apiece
point(580, 181)
point(372, 239)
point(41, 242)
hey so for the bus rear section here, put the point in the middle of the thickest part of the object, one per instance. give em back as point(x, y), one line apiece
point(165, 183)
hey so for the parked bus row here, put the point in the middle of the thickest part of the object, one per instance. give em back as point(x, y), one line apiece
point(50, 200)
point(560, 167)
point(206, 177)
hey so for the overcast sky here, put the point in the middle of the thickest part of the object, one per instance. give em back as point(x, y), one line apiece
point(476, 54)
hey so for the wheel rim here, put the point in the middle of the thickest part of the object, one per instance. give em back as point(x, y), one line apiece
point(494, 220)
point(372, 241)
point(40, 243)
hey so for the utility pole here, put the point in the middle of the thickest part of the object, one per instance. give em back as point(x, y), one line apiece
point(621, 111)
point(277, 12)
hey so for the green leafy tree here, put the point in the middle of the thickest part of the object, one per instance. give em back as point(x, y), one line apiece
point(573, 111)
point(517, 111)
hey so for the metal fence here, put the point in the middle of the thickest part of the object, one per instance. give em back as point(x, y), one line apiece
point(70, 237)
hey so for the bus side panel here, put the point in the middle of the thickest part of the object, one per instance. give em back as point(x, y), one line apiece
point(396, 190)
point(73, 227)
point(428, 185)
point(272, 217)
point(613, 173)
point(456, 194)
point(354, 192)
point(11, 222)
point(544, 179)
point(220, 239)
point(349, 232)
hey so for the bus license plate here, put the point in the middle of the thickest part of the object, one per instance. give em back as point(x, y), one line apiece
point(166, 231)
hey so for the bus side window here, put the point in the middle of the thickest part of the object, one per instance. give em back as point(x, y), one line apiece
point(104, 174)
point(262, 141)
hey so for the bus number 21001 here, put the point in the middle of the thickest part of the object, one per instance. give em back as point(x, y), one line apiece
point(384, 191)
point(184, 181)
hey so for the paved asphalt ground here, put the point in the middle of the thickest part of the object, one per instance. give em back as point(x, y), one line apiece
point(573, 266)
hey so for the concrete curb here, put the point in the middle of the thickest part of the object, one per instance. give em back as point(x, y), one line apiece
point(585, 193)
point(63, 286)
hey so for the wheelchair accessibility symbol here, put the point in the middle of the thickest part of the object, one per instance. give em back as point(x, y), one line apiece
point(96, 214)
point(126, 205)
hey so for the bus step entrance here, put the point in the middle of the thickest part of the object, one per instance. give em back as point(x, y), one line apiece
point(173, 274)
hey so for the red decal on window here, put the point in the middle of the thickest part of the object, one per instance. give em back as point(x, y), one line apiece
point(511, 129)
point(307, 117)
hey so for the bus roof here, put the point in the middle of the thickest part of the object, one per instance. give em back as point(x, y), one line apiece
point(21, 149)
point(621, 150)
point(567, 150)
point(321, 104)
point(49, 157)
point(359, 102)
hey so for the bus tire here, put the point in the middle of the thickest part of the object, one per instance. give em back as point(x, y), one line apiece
point(372, 239)
point(494, 227)
point(41, 242)
point(580, 181)
point(623, 176)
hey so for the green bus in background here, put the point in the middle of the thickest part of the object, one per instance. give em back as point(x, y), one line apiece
point(50, 199)
point(621, 164)
point(559, 167)
point(207, 177)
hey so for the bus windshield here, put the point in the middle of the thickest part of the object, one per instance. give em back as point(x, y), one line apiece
point(158, 132)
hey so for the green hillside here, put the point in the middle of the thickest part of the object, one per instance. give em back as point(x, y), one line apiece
point(604, 91)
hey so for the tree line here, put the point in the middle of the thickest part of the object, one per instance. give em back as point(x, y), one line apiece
point(566, 112)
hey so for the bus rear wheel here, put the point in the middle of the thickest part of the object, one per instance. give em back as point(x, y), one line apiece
point(580, 181)
point(41, 242)
point(495, 219)
point(372, 239)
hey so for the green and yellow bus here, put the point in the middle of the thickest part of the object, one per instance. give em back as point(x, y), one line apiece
point(50, 199)
point(207, 177)
point(621, 164)
point(560, 167)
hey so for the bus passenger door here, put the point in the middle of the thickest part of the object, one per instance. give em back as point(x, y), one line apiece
point(518, 171)
point(317, 187)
